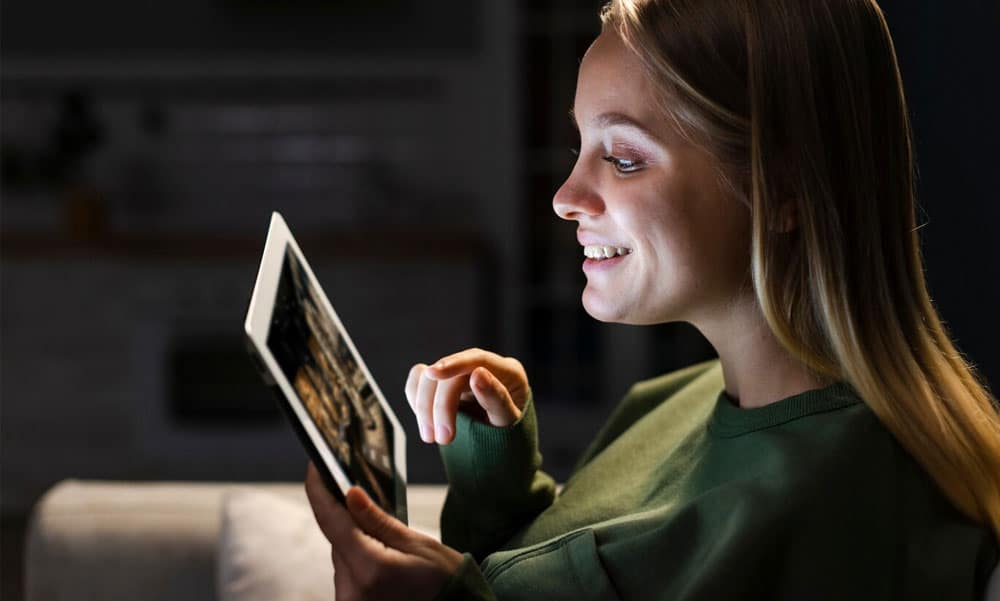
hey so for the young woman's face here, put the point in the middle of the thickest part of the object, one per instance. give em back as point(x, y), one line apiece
point(639, 189)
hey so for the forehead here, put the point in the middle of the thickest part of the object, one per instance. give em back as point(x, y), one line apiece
point(612, 79)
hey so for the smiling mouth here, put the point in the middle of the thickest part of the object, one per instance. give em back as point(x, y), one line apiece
point(600, 253)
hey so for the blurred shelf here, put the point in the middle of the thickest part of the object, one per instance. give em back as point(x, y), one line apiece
point(395, 244)
point(215, 80)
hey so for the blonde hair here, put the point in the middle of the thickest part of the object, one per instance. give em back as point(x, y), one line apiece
point(802, 103)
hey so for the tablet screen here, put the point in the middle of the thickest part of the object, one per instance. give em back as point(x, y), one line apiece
point(331, 385)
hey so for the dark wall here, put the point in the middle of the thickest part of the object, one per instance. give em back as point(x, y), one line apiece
point(948, 54)
point(144, 148)
point(192, 28)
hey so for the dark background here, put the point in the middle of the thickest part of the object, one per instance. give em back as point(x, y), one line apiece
point(414, 149)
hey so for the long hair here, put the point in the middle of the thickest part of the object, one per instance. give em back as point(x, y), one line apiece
point(802, 105)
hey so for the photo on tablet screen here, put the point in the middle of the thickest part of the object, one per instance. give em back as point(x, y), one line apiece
point(331, 385)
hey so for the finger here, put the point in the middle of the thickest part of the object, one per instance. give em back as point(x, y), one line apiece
point(412, 379)
point(494, 398)
point(356, 549)
point(374, 521)
point(333, 519)
point(460, 363)
point(425, 407)
point(446, 401)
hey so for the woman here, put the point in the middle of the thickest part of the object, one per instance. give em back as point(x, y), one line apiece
point(745, 166)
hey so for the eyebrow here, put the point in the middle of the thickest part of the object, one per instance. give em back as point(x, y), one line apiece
point(609, 119)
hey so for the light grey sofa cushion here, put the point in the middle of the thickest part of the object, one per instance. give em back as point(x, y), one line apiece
point(146, 540)
point(270, 548)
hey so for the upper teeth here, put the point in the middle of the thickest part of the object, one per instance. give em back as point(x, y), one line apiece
point(604, 252)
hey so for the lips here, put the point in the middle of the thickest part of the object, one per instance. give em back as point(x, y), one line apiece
point(587, 238)
point(591, 266)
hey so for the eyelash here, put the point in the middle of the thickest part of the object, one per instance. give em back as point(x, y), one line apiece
point(622, 166)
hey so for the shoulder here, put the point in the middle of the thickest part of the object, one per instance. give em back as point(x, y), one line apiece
point(645, 395)
point(860, 490)
point(688, 389)
point(667, 384)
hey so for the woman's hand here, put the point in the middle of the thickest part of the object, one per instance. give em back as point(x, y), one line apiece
point(375, 556)
point(490, 388)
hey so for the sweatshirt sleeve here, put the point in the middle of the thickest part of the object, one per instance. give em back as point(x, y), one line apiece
point(466, 584)
point(495, 484)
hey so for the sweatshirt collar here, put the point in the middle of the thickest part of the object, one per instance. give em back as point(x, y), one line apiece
point(728, 420)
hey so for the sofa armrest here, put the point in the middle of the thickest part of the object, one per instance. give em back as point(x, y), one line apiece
point(147, 540)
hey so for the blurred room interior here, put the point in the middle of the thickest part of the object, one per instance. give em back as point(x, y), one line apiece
point(414, 149)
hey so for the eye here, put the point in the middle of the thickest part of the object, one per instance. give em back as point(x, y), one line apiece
point(623, 165)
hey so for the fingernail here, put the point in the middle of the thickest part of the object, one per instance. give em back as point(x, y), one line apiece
point(425, 433)
point(443, 432)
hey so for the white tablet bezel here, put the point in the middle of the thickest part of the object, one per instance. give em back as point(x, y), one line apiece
point(257, 326)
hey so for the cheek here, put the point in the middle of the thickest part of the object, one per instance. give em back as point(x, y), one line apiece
point(683, 238)
point(665, 228)
point(675, 257)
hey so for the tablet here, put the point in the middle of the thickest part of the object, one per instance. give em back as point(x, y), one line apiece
point(324, 387)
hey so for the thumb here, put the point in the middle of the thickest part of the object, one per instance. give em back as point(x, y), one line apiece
point(374, 521)
point(493, 397)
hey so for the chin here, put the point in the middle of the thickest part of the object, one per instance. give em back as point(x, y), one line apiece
point(602, 310)
point(609, 311)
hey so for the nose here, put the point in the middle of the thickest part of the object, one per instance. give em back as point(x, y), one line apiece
point(574, 199)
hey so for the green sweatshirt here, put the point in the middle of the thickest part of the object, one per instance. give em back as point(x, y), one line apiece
point(684, 496)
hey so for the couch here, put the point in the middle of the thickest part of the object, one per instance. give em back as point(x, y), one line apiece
point(197, 541)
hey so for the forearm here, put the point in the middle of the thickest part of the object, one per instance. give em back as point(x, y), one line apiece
point(496, 486)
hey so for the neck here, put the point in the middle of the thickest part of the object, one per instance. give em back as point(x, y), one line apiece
point(757, 370)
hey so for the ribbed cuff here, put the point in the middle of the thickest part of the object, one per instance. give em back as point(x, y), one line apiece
point(466, 583)
point(483, 457)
